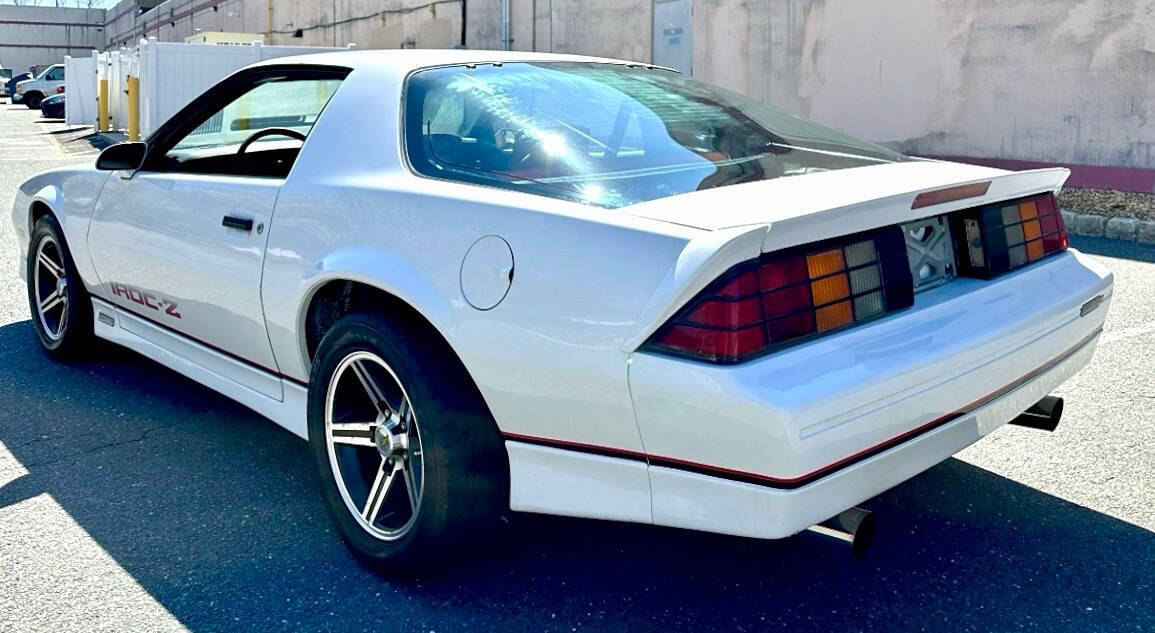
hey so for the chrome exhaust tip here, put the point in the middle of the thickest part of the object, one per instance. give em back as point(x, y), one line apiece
point(855, 527)
point(1043, 415)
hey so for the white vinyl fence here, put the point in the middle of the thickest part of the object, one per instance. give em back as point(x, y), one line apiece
point(171, 74)
point(80, 89)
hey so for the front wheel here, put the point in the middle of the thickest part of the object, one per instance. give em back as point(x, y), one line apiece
point(61, 309)
point(411, 464)
point(32, 100)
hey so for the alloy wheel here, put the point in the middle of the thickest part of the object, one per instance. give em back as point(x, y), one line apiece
point(50, 280)
point(374, 445)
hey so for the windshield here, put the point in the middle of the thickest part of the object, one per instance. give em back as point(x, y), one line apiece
point(608, 134)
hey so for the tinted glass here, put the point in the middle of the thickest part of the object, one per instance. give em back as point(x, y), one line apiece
point(608, 135)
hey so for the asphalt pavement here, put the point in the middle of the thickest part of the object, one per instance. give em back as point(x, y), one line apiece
point(132, 499)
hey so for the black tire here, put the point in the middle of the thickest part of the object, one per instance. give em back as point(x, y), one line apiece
point(76, 335)
point(33, 99)
point(465, 488)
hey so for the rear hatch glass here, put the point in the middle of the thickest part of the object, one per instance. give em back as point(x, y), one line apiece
point(608, 134)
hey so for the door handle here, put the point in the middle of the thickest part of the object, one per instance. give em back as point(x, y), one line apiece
point(233, 222)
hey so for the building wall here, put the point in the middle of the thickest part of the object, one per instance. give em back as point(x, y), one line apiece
point(367, 23)
point(44, 35)
point(1034, 80)
point(1067, 82)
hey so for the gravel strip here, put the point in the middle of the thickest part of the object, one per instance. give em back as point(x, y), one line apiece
point(1109, 203)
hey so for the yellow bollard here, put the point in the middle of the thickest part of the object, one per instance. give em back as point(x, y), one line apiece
point(133, 109)
point(102, 107)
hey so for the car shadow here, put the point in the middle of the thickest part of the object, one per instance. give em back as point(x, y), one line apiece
point(214, 511)
point(1114, 248)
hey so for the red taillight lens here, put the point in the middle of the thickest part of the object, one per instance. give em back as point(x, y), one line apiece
point(1004, 236)
point(60, 90)
point(778, 299)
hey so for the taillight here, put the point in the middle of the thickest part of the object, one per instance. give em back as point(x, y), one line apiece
point(1000, 237)
point(782, 298)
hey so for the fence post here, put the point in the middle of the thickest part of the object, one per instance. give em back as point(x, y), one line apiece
point(133, 109)
point(102, 105)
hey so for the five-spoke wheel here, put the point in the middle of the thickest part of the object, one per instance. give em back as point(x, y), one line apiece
point(412, 467)
point(374, 445)
point(50, 283)
point(61, 309)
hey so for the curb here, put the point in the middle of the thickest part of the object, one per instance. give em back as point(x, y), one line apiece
point(1094, 225)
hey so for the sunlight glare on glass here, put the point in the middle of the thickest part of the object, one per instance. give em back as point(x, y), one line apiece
point(554, 144)
point(465, 83)
point(593, 193)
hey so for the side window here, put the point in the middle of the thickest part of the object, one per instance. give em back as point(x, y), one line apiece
point(56, 74)
point(257, 132)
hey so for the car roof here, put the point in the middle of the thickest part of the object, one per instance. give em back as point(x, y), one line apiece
point(413, 58)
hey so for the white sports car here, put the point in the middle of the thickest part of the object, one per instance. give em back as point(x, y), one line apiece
point(481, 281)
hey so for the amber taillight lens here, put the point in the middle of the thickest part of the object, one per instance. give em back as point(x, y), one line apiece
point(786, 297)
point(1000, 237)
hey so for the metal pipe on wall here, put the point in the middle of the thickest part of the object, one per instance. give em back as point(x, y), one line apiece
point(505, 40)
point(464, 22)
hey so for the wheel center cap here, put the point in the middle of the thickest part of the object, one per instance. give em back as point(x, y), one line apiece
point(61, 286)
point(386, 443)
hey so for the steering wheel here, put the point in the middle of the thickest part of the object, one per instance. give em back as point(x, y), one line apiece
point(270, 131)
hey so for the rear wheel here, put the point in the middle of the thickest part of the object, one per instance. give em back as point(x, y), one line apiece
point(410, 461)
point(33, 99)
point(61, 310)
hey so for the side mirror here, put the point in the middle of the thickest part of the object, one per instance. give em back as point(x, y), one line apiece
point(122, 156)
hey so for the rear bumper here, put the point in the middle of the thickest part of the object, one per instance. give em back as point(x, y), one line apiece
point(817, 428)
point(691, 500)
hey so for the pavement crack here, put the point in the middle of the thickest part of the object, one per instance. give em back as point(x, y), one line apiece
point(43, 438)
point(107, 445)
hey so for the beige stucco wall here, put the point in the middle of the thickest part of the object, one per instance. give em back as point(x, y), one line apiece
point(1064, 81)
point(1039, 80)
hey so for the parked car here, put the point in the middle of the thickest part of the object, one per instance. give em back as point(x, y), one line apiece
point(5, 75)
point(53, 107)
point(11, 84)
point(481, 281)
point(33, 91)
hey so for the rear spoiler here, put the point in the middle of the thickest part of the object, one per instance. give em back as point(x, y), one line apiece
point(912, 205)
point(706, 257)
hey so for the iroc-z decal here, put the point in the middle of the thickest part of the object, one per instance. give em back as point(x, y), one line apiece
point(146, 299)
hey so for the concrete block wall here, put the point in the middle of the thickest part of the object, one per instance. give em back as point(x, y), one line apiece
point(42, 36)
